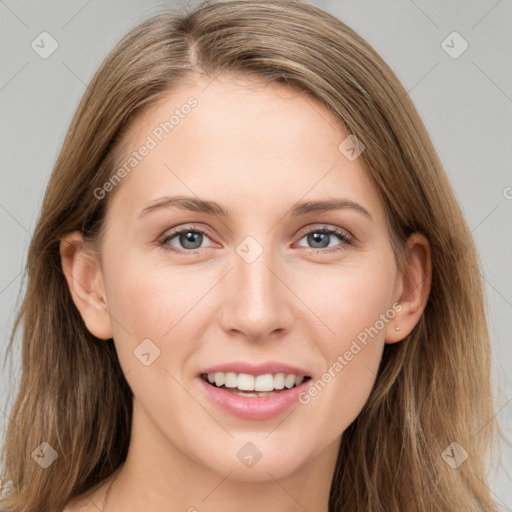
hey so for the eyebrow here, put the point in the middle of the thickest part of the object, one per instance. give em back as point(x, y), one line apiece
point(195, 204)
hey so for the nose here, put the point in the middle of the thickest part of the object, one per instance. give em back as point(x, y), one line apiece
point(256, 302)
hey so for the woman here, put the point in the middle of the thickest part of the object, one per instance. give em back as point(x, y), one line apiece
point(250, 285)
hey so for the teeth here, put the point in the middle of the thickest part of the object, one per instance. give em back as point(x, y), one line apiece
point(246, 382)
point(260, 384)
point(279, 380)
point(264, 382)
point(289, 381)
point(231, 380)
point(219, 379)
point(254, 394)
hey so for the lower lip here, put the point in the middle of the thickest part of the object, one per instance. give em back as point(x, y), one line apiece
point(253, 408)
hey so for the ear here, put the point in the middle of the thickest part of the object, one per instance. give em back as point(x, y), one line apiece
point(85, 280)
point(413, 288)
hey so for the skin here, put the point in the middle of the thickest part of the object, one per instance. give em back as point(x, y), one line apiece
point(256, 149)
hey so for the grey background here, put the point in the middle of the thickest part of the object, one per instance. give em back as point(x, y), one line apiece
point(466, 104)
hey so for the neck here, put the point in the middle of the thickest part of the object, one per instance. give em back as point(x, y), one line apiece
point(157, 476)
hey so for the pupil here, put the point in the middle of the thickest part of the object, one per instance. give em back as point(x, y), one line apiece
point(319, 238)
point(191, 238)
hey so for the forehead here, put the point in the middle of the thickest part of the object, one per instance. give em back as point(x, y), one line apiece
point(242, 106)
point(238, 138)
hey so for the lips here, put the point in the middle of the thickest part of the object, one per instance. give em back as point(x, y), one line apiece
point(251, 391)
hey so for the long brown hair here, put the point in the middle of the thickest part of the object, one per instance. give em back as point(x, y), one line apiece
point(433, 388)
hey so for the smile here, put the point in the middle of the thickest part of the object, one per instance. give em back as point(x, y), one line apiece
point(244, 384)
point(253, 392)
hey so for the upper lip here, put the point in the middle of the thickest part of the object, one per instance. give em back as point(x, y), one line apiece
point(257, 369)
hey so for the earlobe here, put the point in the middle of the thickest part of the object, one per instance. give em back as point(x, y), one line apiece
point(83, 274)
point(414, 288)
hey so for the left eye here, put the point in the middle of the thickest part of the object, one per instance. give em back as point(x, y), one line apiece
point(321, 238)
point(188, 238)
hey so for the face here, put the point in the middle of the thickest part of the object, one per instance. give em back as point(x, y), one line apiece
point(244, 253)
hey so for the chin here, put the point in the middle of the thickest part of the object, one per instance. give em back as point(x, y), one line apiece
point(257, 461)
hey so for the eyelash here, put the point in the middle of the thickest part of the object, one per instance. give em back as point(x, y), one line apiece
point(346, 239)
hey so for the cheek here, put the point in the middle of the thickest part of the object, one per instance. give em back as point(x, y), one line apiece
point(354, 307)
point(151, 298)
point(156, 329)
point(348, 301)
point(159, 304)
